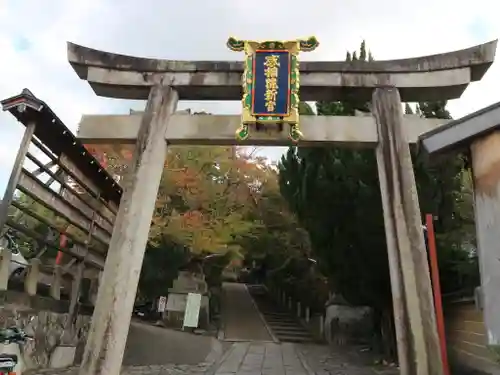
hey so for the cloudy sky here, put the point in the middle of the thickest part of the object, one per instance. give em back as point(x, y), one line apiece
point(33, 37)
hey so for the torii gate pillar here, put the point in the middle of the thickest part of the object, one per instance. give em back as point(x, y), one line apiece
point(111, 320)
point(416, 334)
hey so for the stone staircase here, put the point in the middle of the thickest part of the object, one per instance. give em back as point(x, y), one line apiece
point(283, 324)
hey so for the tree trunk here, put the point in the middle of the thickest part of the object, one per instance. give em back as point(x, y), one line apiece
point(385, 333)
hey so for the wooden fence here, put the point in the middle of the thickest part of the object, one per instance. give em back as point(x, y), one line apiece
point(467, 339)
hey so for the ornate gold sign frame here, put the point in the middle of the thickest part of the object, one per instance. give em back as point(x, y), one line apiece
point(248, 81)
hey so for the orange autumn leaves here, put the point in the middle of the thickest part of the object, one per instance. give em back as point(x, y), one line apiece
point(205, 195)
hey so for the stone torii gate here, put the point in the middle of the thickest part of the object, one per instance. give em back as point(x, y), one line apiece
point(162, 83)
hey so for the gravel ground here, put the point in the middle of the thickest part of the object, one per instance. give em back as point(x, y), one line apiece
point(324, 360)
point(171, 369)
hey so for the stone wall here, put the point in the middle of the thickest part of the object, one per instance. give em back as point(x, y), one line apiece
point(348, 324)
point(44, 318)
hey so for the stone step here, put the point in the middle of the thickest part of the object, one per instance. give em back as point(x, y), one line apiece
point(281, 314)
point(295, 339)
point(275, 313)
point(282, 324)
point(288, 322)
point(288, 332)
point(294, 327)
point(285, 320)
point(281, 321)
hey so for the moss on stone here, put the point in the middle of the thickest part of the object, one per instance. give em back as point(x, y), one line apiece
point(495, 349)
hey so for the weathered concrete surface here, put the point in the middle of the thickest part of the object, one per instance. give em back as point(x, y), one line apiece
point(416, 333)
point(436, 77)
point(110, 322)
point(220, 130)
point(241, 318)
point(457, 135)
point(486, 174)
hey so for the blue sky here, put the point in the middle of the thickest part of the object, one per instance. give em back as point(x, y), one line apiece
point(33, 37)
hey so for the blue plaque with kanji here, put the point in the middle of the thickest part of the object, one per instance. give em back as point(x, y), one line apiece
point(271, 86)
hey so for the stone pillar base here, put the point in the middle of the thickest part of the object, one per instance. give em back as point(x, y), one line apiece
point(63, 356)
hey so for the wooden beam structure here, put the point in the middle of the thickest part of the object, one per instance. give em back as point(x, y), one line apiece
point(477, 135)
point(88, 198)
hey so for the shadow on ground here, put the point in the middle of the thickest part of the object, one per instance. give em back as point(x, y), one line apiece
point(150, 345)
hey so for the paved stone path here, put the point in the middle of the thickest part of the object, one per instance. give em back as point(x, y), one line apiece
point(262, 359)
point(251, 353)
point(241, 318)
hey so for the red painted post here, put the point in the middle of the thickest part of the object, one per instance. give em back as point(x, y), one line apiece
point(436, 288)
point(62, 243)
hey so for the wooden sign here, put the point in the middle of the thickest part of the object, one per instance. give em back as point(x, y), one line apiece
point(192, 314)
point(162, 304)
point(271, 83)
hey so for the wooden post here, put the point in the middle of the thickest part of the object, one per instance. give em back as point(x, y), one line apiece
point(32, 277)
point(436, 289)
point(418, 343)
point(55, 286)
point(5, 259)
point(485, 154)
point(76, 286)
point(116, 295)
point(94, 288)
point(15, 174)
point(322, 326)
point(397, 289)
point(62, 244)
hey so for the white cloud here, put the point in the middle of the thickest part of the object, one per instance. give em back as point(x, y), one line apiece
point(192, 29)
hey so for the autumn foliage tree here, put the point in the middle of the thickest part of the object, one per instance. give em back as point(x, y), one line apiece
point(222, 200)
point(204, 197)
